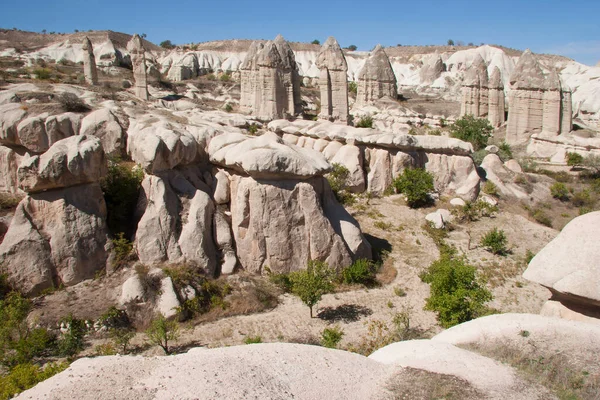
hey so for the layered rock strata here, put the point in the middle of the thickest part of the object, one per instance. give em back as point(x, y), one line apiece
point(333, 82)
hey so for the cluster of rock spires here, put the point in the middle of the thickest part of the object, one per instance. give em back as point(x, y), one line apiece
point(537, 102)
point(482, 95)
point(270, 82)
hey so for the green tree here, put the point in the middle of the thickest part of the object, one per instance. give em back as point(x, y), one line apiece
point(166, 44)
point(331, 337)
point(352, 47)
point(457, 294)
point(559, 191)
point(477, 131)
point(450, 42)
point(415, 184)
point(312, 283)
point(352, 87)
point(495, 241)
point(162, 331)
point(316, 42)
point(574, 159)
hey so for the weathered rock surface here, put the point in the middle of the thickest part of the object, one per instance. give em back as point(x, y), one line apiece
point(138, 60)
point(568, 265)
point(62, 126)
point(9, 164)
point(89, 63)
point(73, 161)
point(105, 125)
point(333, 82)
point(496, 106)
point(248, 78)
point(56, 237)
point(31, 133)
point(290, 76)
point(10, 116)
point(432, 69)
point(376, 79)
point(270, 95)
point(475, 89)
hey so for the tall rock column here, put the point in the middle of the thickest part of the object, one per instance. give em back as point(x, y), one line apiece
point(333, 82)
point(470, 93)
point(552, 105)
point(249, 74)
point(138, 59)
point(496, 106)
point(481, 68)
point(290, 75)
point(270, 93)
point(89, 63)
point(376, 79)
point(566, 120)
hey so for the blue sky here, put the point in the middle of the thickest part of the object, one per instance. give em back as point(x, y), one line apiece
point(570, 28)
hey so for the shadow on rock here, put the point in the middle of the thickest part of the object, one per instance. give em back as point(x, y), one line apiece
point(344, 313)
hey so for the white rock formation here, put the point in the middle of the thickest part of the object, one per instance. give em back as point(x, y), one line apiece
point(138, 59)
point(475, 89)
point(249, 76)
point(270, 94)
point(105, 125)
point(432, 69)
point(89, 63)
point(376, 79)
point(333, 82)
point(290, 76)
point(496, 105)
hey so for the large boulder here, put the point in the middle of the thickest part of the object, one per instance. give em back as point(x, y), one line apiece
point(56, 237)
point(32, 135)
point(62, 126)
point(10, 116)
point(10, 159)
point(104, 124)
point(69, 162)
point(568, 265)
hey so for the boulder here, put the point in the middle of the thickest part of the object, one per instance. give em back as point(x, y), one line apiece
point(73, 161)
point(62, 126)
point(132, 291)
point(104, 124)
point(224, 241)
point(10, 116)
point(167, 303)
point(56, 237)
point(514, 166)
point(351, 157)
point(10, 158)
point(457, 202)
point(439, 218)
point(31, 134)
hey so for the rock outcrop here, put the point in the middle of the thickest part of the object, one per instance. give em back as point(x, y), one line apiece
point(58, 236)
point(290, 76)
point(537, 103)
point(568, 266)
point(248, 77)
point(138, 60)
point(333, 82)
point(270, 94)
point(496, 106)
point(432, 69)
point(89, 63)
point(376, 79)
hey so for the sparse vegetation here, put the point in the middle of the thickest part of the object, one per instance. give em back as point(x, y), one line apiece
point(352, 87)
point(361, 271)
point(312, 283)
point(331, 337)
point(338, 179)
point(574, 160)
point(316, 41)
point(42, 74)
point(352, 47)
point(253, 339)
point(365, 122)
point(416, 184)
point(123, 251)
point(495, 242)
point(161, 332)
point(229, 108)
point(71, 341)
point(559, 191)
point(25, 376)
point(473, 211)
point(226, 77)
point(477, 131)
point(490, 188)
point(504, 151)
point(71, 103)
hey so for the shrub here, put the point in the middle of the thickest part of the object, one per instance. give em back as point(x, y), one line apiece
point(583, 198)
point(253, 129)
point(312, 283)
point(282, 281)
point(574, 159)
point(162, 331)
point(166, 44)
point(415, 184)
point(352, 47)
point(490, 188)
point(225, 77)
point(473, 211)
point(121, 338)
point(495, 241)
point(315, 42)
point(504, 151)
point(228, 108)
point(361, 271)
point(331, 337)
point(71, 342)
point(477, 131)
point(365, 122)
point(559, 191)
point(121, 188)
point(457, 294)
point(541, 217)
point(211, 77)
point(123, 251)
point(114, 318)
point(337, 179)
point(70, 102)
point(253, 339)
point(25, 376)
point(352, 87)
point(399, 291)
point(42, 73)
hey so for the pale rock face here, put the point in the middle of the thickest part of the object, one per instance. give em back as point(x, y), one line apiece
point(221, 188)
point(138, 55)
point(185, 68)
point(496, 106)
point(89, 63)
point(475, 90)
point(351, 157)
point(291, 76)
point(270, 94)
point(266, 156)
point(432, 69)
point(105, 125)
point(73, 161)
point(224, 241)
point(10, 116)
point(249, 76)
point(282, 225)
point(56, 237)
point(172, 201)
point(333, 81)
point(9, 163)
point(167, 303)
point(32, 134)
point(568, 265)
point(132, 291)
point(376, 79)
point(439, 218)
point(62, 126)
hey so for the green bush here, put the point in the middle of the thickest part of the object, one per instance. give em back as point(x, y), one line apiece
point(361, 271)
point(559, 191)
point(228, 108)
point(42, 73)
point(574, 159)
point(365, 122)
point(312, 283)
point(495, 241)
point(211, 77)
point(71, 342)
point(415, 184)
point(331, 337)
point(541, 217)
point(121, 188)
point(315, 42)
point(505, 152)
point(337, 179)
point(473, 211)
point(490, 188)
point(253, 339)
point(26, 376)
point(477, 131)
point(161, 332)
point(352, 87)
point(121, 338)
point(226, 77)
point(583, 198)
point(166, 44)
point(457, 294)
point(123, 251)
point(253, 129)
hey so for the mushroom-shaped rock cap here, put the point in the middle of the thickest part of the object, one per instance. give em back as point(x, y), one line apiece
point(135, 44)
point(252, 55)
point(285, 51)
point(570, 264)
point(527, 74)
point(266, 157)
point(481, 66)
point(377, 67)
point(331, 56)
point(553, 81)
point(87, 44)
point(496, 79)
point(269, 56)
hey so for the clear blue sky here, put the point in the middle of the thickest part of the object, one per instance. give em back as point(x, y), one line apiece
point(570, 28)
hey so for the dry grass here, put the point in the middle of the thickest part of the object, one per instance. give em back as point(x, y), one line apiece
point(554, 371)
point(417, 384)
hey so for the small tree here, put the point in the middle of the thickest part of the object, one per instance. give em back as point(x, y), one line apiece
point(331, 337)
point(352, 47)
point(559, 191)
point(450, 42)
point(574, 159)
point(495, 241)
point(316, 42)
point(162, 331)
point(477, 131)
point(415, 184)
point(166, 44)
point(312, 283)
